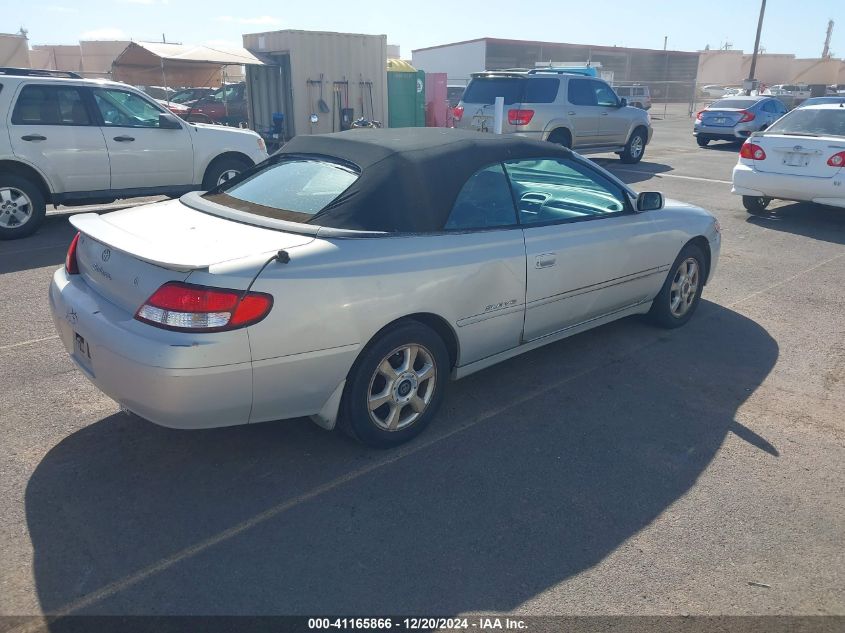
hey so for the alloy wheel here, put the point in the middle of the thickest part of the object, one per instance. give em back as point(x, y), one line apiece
point(226, 176)
point(15, 207)
point(684, 287)
point(636, 146)
point(401, 387)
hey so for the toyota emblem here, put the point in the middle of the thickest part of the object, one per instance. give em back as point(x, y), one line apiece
point(106, 255)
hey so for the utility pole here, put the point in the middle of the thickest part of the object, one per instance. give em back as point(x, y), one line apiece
point(753, 70)
point(826, 49)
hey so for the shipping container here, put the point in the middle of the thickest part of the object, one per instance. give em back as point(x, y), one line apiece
point(338, 77)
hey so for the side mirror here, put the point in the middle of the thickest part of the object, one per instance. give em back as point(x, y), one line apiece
point(650, 201)
point(168, 122)
point(623, 102)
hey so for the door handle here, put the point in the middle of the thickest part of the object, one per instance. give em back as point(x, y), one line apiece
point(604, 113)
point(546, 260)
point(124, 139)
point(33, 137)
point(571, 113)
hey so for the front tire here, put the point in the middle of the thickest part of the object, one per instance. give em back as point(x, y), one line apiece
point(22, 207)
point(222, 170)
point(635, 148)
point(395, 387)
point(756, 205)
point(677, 300)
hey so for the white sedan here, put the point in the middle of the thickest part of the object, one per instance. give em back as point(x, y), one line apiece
point(800, 157)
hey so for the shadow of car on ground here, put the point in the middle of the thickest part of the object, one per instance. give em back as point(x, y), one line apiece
point(534, 471)
point(826, 224)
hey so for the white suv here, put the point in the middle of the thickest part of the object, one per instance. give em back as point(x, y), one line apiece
point(68, 140)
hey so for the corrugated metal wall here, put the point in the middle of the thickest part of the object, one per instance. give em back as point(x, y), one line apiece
point(339, 57)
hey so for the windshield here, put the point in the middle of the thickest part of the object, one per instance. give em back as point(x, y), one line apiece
point(812, 122)
point(228, 93)
point(739, 104)
point(296, 189)
point(822, 101)
point(183, 96)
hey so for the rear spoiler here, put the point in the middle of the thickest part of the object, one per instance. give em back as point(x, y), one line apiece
point(100, 229)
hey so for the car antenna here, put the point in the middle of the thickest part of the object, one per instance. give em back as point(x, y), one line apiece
point(281, 255)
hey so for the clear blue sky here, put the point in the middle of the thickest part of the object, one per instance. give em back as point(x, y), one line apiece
point(791, 26)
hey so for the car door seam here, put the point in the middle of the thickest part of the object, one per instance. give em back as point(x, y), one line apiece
point(609, 283)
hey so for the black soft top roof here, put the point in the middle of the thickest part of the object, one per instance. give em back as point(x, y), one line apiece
point(410, 177)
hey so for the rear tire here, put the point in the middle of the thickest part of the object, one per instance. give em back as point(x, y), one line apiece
point(396, 386)
point(22, 207)
point(702, 141)
point(677, 300)
point(561, 137)
point(756, 205)
point(634, 148)
point(223, 169)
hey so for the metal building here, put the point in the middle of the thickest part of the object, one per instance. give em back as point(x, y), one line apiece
point(672, 71)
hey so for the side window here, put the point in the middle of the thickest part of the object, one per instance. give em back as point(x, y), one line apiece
point(50, 105)
point(124, 109)
point(580, 92)
point(604, 94)
point(541, 90)
point(484, 202)
point(554, 190)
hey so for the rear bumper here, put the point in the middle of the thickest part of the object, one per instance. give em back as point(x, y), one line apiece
point(739, 132)
point(828, 191)
point(164, 380)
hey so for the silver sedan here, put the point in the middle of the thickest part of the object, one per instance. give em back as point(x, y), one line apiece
point(351, 275)
point(735, 118)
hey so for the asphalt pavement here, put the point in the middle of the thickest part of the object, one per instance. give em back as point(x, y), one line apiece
point(627, 470)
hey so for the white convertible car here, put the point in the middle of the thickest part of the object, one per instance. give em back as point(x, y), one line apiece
point(351, 275)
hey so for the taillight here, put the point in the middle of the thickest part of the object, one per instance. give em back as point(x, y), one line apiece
point(752, 151)
point(698, 116)
point(746, 116)
point(71, 266)
point(458, 112)
point(837, 160)
point(190, 308)
point(520, 117)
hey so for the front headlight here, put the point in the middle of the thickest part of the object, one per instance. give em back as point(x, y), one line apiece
point(261, 144)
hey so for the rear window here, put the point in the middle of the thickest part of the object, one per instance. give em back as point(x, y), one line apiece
point(293, 190)
point(484, 90)
point(739, 104)
point(50, 105)
point(811, 122)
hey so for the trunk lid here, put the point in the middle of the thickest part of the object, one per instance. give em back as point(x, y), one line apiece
point(727, 117)
point(798, 155)
point(479, 102)
point(126, 255)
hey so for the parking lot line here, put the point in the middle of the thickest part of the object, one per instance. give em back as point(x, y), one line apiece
point(658, 175)
point(29, 342)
